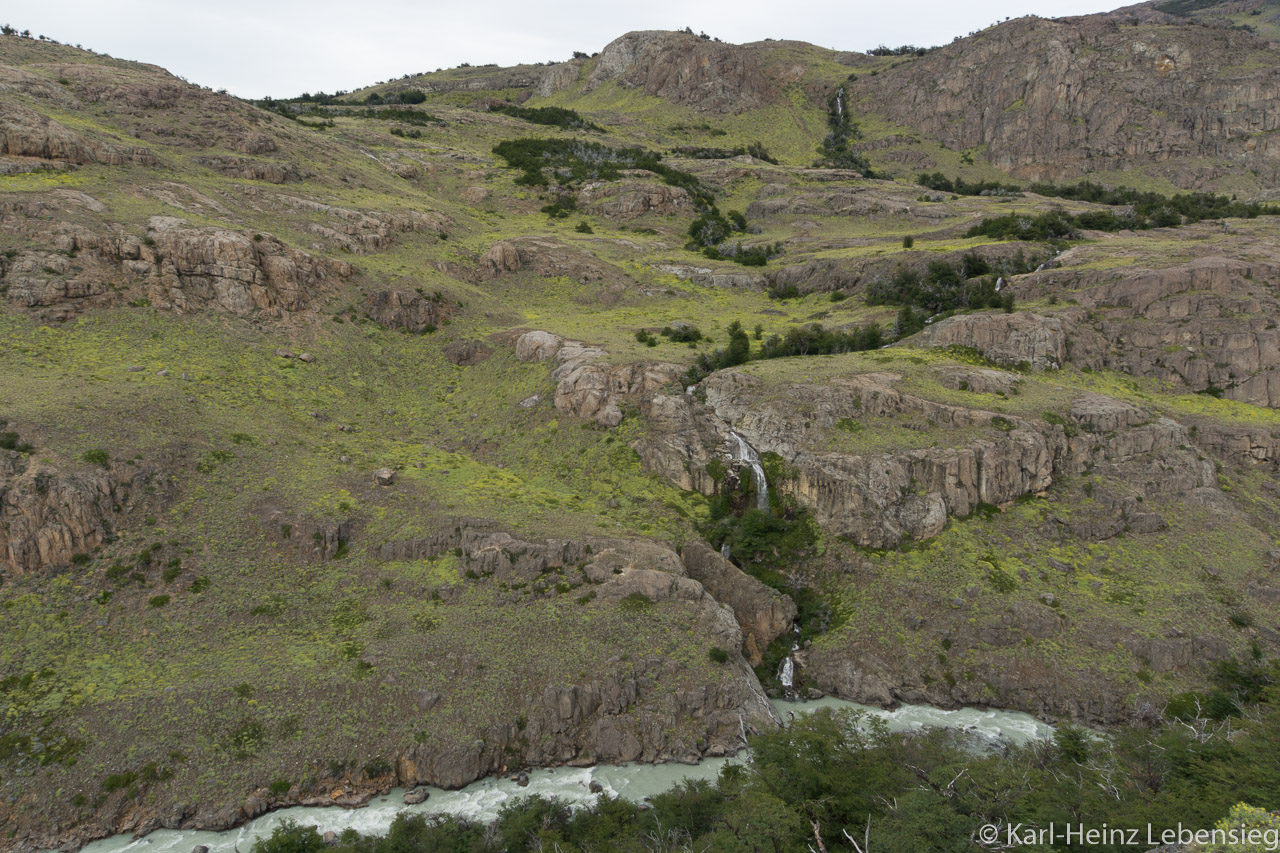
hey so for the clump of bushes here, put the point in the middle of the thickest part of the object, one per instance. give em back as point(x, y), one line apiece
point(572, 161)
point(551, 116)
point(702, 152)
point(943, 287)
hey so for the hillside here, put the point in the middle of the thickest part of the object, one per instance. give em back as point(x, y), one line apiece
point(359, 441)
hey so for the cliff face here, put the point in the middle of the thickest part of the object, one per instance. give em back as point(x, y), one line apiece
point(687, 70)
point(1053, 99)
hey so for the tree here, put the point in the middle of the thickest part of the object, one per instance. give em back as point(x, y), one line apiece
point(289, 837)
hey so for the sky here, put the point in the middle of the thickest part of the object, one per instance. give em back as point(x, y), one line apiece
point(282, 48)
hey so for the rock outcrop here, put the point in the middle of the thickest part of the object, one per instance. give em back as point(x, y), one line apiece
point(27, 133)
point(763, 614)
point(1050, 99)
point(405, 309)
point(630, 199)
point(48, 516)
point(587, 386)
point(880, 499)
point(1019, 339)
point(215, 267)
point(544, 256)
point(686, 70)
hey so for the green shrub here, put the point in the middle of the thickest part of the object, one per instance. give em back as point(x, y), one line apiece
point(718, 655)
point(636, 602)
point(97, 456)
point(158, 601)
point(551, 116)
point(289, 837)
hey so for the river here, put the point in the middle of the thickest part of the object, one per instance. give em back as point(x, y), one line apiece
point(482, 800)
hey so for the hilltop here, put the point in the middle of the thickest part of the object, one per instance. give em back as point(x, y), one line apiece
point(398, 436)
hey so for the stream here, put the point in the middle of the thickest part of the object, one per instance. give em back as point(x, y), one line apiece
point(482, 800)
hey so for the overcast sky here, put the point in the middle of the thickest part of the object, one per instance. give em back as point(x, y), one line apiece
point(285, 47)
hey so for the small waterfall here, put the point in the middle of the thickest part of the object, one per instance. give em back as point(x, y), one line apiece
point(724, 550)
point(840, 103)
point(999, 283)
point(746, 454)
point(787, 673)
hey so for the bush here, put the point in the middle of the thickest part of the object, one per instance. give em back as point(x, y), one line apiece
point(718, 655)
point(584, 227)
point(682, 334)
point(412, 96)
point(97, 456)
point(289, 837)
point(908, 242)
point(636, 602)
point(552, 116)
point(574, 161)
point(942, 288)
point(158, 601)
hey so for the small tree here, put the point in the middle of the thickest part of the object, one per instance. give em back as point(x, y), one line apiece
point(908, 241)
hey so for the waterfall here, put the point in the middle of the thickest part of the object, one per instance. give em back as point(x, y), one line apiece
point(745, 454)
point(724, 550)
point(840, 104)
point(787, 672)
point(999, 283)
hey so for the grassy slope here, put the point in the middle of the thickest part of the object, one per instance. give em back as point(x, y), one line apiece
point(137, 683)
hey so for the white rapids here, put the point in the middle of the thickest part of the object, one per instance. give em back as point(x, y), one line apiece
point(481, 801)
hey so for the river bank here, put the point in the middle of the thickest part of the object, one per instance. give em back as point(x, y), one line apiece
point(482, 800)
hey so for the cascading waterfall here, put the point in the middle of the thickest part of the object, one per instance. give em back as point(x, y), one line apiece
point(746, 454)
point(840, 103)
point(724, 550)
point(787, 673)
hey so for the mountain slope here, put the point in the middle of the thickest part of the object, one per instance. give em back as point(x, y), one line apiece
point(343, 451)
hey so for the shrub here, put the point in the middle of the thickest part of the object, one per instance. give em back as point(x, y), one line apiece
point(158, 601)
point(718, 655)
point(908, 242)
point(584, 227)
point(412, 96)
point(574, 161)
point(376, 767)
point(280, 787)
point(682, 334)
point(97, 456)
point(289, 837)
point(552, 116)
point(636, 602)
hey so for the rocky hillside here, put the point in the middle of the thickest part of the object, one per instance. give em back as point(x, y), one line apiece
point(1044, 99)
point(497, 418)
